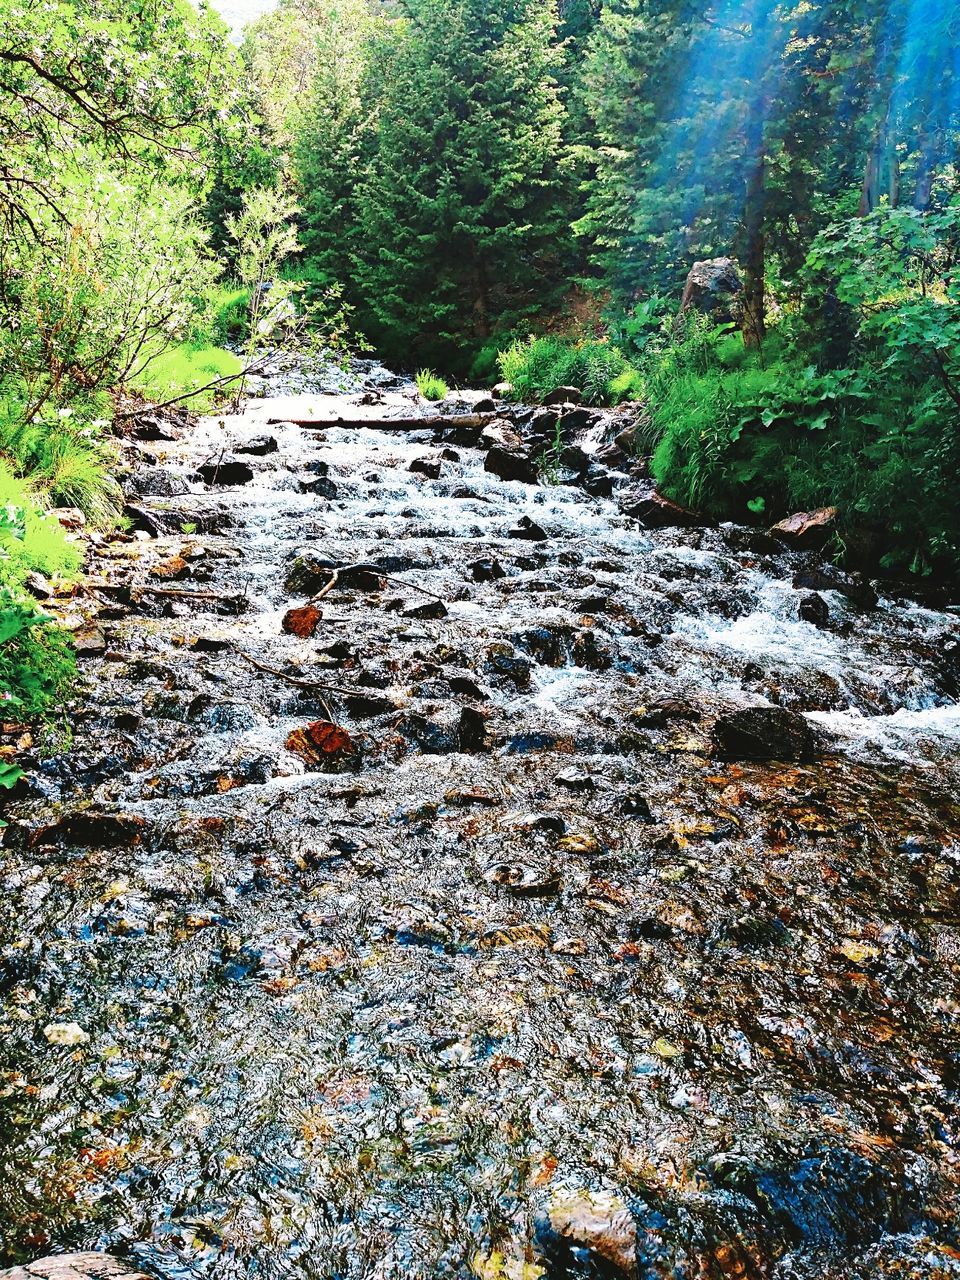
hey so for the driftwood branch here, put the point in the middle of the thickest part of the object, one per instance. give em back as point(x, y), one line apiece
point(302, 684)
point(470, 420)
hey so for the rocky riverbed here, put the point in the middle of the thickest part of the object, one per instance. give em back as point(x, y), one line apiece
point(452, 876)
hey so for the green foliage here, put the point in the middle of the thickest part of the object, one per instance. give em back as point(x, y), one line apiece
point(460, 209)
point(37, 666)
point(226, 319)
point(30, 541)
point(36, 662)
point(430, 386)
point(62, 453)
point(540, 365)
point(186, 368)
point(744, 434)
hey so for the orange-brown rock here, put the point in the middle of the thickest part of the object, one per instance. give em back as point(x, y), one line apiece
point(302, 622)
point(320, 743)
point(807, 530)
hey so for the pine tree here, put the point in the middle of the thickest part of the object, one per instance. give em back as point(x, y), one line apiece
point(335, 139)
point(462, 211)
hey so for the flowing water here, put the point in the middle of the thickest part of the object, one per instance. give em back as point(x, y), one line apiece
point(520, 979)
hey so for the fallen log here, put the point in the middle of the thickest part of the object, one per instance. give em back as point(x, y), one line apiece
point(469, 420)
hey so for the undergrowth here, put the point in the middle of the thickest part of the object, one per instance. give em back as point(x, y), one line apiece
point(598, 369)
point(746, 436)
point(37, 666)
point(185, 368)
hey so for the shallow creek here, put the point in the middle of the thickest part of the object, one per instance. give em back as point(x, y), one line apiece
point(528, 982)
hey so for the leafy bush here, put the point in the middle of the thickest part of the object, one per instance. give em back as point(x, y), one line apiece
point(539, 365)
point(37, 666)
point(36, 661)
point(226, 317)
point(29, 540)
point(485, 363)
point(431, 387)
point(62, 453)
point(739, 434)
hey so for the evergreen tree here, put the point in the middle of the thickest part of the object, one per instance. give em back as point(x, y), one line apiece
point(335, 139)
point(462, 210)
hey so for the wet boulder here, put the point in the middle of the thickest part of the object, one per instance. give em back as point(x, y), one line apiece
point(302, 622)
point(814, 609)
point(807, 530)
point(503, 665)
point(563, 395)
point(763, 733)
point(309, 574)
point(488, 570)
point(90, 829)
point(156, 482)
point(714, 288)
point(367, 706)
point(853, 586)
point(74, 1266)
point(89, 642)
point(654, 511)
point(427, 467)
point(225, 473)
point(588, 1233)
point(511, 464)
point(322, 745)
point(598, 481)
point(500, 434)
point(527, 530)
point(258, 446)
point(486, 404)
point(548, 645)
point(472, 734)
point(152, 429)
point(587, 651)
point(425, 610)
point(578, 419)
point(322, 486)
point(830, 1197)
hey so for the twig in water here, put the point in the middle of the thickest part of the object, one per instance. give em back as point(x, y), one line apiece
point(301, 684)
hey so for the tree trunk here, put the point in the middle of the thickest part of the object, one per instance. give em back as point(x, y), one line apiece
point(481, 301)
point(881, 174)
point(754, 324)
point(926, 171)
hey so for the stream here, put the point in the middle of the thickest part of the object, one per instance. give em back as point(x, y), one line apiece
point(448, 940)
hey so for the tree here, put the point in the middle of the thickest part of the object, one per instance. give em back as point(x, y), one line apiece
point(461, 209)
point(335, 138)
point(138, 81)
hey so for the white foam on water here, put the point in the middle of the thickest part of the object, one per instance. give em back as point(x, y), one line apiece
point(896, 733)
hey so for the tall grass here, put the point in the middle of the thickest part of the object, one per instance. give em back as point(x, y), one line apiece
point(597, 369)
point(431, 386)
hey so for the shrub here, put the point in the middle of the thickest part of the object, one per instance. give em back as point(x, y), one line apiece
point(430, 386)
point(37, 666)
point(36, 660)
point(63, 454)
point(227, 317)
point(739, 435)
